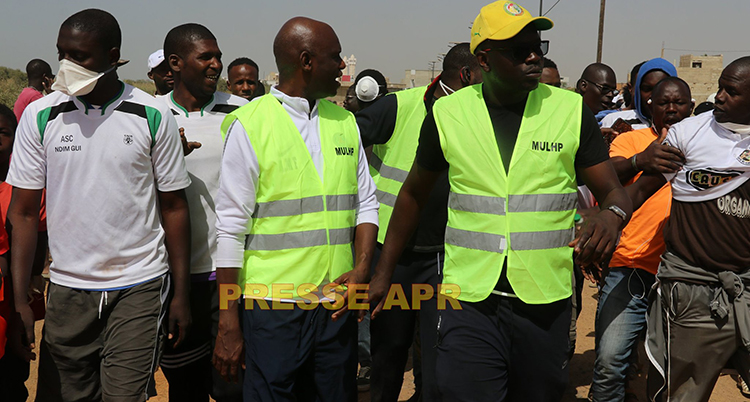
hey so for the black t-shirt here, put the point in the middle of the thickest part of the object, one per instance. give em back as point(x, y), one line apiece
point(376, 124)
point(506, 122)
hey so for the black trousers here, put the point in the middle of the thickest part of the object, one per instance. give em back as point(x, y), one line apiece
point(502, 349)
point(299, 355)
point(392, 332)
point(188, 369)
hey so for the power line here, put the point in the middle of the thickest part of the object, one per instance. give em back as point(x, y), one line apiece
point(550, 9)
point(707, 50)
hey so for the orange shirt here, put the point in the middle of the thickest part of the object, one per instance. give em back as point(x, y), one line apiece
point(6, 190)
point(642, 241)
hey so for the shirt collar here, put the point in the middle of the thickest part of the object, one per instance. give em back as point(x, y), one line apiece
point(299, 105)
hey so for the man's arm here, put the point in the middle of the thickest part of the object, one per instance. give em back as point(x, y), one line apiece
point(644, 188)
point(176, 222)
point(412, 198)
point(235, 203)
point(23, 214)
point(598, 236)
point(656, 158)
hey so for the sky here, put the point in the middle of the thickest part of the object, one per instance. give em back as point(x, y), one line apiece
point(392, 35)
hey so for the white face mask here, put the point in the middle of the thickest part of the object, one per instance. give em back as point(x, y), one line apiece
point(743, 129)
point(75, 80)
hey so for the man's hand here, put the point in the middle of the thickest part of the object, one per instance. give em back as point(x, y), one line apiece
point(188, 146)
point(593, 273)
point(21, 333)
point(379, 286)
point(598, 238)
point(660, 158)
point(609, 134)
point(179, 321)
point(229, 352)
point(357, 276)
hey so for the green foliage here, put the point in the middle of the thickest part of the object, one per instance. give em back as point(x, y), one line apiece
point(12, 82)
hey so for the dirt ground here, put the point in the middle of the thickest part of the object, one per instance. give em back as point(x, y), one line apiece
point(580, 367)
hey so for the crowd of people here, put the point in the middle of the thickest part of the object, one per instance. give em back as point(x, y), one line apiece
point(279, 247)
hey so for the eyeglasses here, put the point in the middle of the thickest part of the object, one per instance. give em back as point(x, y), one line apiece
point(520, 53)
point(603, 88)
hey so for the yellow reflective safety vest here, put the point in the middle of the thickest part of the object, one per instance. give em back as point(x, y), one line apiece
point(524, 215)
point(302, 226)
point(390, 162)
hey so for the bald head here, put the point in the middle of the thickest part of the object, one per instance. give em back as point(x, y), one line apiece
point(597, 71)
point(308, 57)
point(298, 35)
point(597, 86)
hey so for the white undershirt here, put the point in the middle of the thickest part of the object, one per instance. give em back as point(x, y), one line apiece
point(235, 201)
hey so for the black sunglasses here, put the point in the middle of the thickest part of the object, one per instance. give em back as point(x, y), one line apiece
point(603, 88)
point(520, 53)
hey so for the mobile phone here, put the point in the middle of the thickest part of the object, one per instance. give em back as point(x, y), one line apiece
point(621, 126)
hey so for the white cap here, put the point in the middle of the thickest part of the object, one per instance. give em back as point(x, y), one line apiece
point(155, 59)
point(367, 89)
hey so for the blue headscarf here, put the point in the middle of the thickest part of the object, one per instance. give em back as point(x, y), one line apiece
point(647, 67)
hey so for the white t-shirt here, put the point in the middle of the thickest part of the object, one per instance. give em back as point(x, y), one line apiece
point(629, 116)
point(717, 160)
point(102, 168)
point(204, 165)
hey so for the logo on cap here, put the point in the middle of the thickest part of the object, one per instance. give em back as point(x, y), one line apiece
point(513, 8)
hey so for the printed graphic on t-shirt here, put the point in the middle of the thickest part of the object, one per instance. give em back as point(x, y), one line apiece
point(704, 179)
point(734, 206)
point(67, 144)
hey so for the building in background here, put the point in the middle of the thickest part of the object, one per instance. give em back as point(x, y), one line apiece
point(350, 71)
point(418, 78)
point(701, 73)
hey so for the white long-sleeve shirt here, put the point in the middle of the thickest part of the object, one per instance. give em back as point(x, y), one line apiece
point(236, 199)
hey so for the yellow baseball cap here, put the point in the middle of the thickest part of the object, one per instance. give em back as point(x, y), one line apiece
point(503, 20)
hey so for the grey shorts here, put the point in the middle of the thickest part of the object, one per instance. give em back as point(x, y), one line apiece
point(101, 345)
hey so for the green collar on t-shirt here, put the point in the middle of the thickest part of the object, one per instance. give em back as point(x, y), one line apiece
point(104, 106)
point(171, 97)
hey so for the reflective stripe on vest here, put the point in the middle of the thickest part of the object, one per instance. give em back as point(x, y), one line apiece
point(303, 224)
point(390, 162)
point(389, 172)
point(523, 218)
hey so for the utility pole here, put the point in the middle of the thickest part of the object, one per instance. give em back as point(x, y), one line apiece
point(662, 49)
point(432, 68)
point(541, 10)
point(601, 32)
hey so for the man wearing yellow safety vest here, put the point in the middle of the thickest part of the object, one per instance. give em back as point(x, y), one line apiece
point(294, 191)
point(392, 126)
point(513, 149)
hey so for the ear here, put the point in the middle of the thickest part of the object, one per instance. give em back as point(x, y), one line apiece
point(306, 60)
point(228, 83)
point(483, 61)
point(174, 62)
point(114, 56)
point(465, 76)
point(581, 85)
point(692, 107)
point(150, 75)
